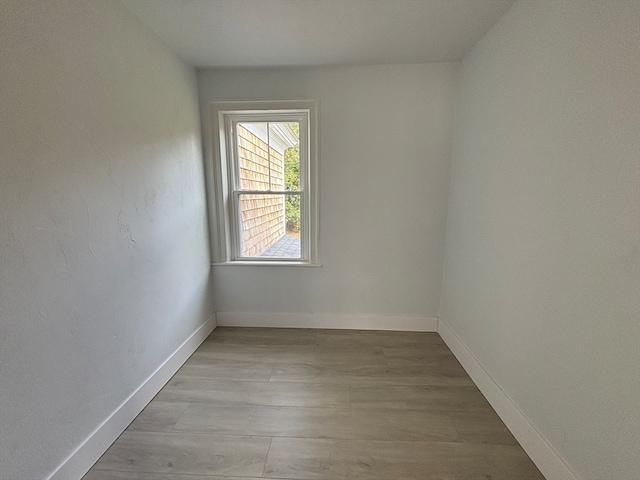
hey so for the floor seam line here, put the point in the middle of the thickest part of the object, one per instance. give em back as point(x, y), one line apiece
point(266, 458)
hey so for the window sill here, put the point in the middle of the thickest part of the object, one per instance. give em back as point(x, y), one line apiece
point(245, 263)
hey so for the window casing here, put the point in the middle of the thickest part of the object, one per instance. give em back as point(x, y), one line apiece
point(252, 147)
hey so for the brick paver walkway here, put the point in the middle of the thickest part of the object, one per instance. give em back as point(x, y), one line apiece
point(286, 247)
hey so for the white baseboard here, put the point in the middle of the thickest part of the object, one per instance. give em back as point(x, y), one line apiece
point(88, 453)
point(548, 461)
point(328, 320)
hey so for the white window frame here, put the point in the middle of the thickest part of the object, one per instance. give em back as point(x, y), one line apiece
point(224, 188)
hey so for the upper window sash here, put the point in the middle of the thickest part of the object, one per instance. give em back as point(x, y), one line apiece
point(231, 121)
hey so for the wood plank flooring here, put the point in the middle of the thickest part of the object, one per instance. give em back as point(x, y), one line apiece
point(317, 404)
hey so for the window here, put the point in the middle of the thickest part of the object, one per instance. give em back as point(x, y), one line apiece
point(265, 182)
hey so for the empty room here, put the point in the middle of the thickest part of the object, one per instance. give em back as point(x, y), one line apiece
point(320, 239)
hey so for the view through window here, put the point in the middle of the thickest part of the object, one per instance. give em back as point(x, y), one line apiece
point(269, 190)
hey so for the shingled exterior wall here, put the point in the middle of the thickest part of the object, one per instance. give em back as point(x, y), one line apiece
point(263, 216)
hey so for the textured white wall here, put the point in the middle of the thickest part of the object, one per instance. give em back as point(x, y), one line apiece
point(542, 268)
point(104, 264)
point(385, 144)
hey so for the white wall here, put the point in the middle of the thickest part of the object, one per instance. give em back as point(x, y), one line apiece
point(542, 274)
point(385, 143)
point(104, 264)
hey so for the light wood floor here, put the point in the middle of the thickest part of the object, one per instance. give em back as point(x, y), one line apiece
point(317, 404)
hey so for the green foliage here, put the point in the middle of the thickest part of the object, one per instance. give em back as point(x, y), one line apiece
point(292, 183)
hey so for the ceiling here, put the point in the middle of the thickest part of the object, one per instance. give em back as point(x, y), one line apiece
point(251, 33)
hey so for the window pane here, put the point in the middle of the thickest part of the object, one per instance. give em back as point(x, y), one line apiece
point(270, 225)
point(262, 150)
point(253, 156)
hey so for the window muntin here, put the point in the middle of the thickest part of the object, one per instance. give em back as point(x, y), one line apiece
point(266, 183)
